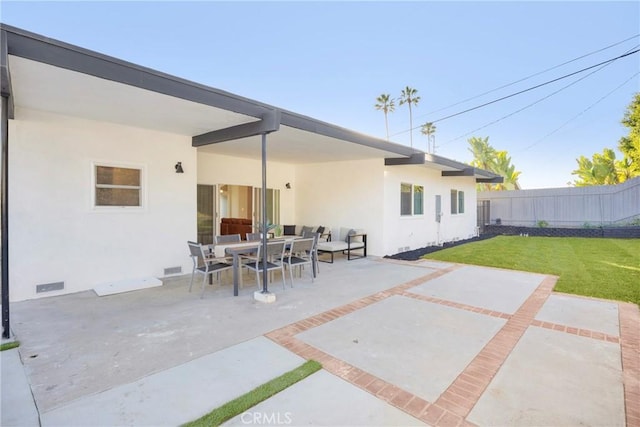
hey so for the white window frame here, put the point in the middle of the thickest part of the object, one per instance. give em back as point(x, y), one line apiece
point(412, 201)
point(142, 188)
point(456, 199)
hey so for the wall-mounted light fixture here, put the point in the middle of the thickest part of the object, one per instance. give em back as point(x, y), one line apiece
point(179, 168)
point(288, 186)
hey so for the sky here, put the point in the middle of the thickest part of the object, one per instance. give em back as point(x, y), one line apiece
point(331, 60)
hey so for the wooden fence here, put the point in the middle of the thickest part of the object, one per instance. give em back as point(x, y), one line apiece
point(566, 207)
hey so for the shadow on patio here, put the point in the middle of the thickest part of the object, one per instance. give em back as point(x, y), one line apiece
point(80, 344)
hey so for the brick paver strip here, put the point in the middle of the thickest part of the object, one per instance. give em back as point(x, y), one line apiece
point(461, 306)
point(459, 397)
point(576, 331)
point(453, 406)
point(630, 346)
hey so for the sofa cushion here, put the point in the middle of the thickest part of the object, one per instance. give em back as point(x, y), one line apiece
point(358, 238)
point(337, 246)
point(289, 230)
point(349, 233)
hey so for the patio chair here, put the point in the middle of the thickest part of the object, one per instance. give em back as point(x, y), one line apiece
point(228, 238)
point(314, 252)
point(275, 254)
point(205, 264)
point(300, 254)
point(254, 237)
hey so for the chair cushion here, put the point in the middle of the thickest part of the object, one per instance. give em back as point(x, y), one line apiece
point(349, 233)
point(289, 230)
point(337, 246)
point(358, 238)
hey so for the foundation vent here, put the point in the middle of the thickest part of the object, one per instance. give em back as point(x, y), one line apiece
point(48, 287)
point(172, 270)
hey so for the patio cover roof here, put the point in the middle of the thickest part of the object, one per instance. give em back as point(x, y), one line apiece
point(46, 74)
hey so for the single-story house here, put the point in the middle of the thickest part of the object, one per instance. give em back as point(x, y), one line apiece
point(112, 167)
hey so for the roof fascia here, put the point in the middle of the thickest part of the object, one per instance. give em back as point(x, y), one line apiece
point(5, 76)
point(309, 124)
point(63, 55)
point(56, 53)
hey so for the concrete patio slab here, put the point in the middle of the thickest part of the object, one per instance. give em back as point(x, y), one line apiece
point(600, 316)
point(18, 407)
point(97, 343)
point(490, 288)
point(185, 393)
point(555, 378)
point(324, 400)
point(387, 337)
point(364, 322)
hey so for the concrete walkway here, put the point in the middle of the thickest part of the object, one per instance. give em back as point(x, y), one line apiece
point(400, 343)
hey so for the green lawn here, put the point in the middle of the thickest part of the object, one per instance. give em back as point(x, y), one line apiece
point(255, 396)
point(603, 268)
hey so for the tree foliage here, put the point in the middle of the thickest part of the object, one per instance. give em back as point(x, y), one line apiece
point(387, 104)
point(630, 145)
point(429, 129)
point(488, 158)
point(603, 168)
point(410, 97)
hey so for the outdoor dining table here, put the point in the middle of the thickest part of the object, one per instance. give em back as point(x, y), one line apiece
point(236, 249)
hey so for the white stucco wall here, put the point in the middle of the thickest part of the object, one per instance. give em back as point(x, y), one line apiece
point(56, 234)
point(214, 169)
point(343, 194)
point(412, 232)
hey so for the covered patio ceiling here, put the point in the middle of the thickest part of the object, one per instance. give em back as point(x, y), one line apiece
point(50, 75)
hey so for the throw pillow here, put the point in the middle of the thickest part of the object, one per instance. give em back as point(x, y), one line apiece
point(350, 233)
point(289, 230)
point(306, 229)
point(358, 239)
point(320, 230)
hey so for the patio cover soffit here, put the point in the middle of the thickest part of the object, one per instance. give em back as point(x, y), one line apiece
point(81, 76)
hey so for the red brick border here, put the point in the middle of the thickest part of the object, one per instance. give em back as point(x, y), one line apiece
point(463, 393)
point(457, 401)
point(576, 331)
point(629, 316)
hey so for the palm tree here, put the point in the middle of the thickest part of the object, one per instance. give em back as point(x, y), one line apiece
point(504, 168)
point(484, 156)
point(387, 105)
point(408, 96)
point(429, 129)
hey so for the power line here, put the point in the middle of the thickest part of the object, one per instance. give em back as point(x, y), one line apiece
point(528, 89)
point(581, 113)
point(536, 86)
point(602, 65)
point(530, 76)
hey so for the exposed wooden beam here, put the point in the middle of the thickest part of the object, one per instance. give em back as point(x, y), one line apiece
point(463, 172)
point(414, 159)
point(270, 122)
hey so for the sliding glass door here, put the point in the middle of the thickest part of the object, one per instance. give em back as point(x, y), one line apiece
point(206, 213)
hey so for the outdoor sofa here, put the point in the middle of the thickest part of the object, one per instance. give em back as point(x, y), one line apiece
point(297, 230)
point(348, 240)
